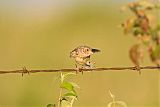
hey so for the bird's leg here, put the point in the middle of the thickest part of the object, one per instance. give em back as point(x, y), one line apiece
point(81, 71)
point(78, 69)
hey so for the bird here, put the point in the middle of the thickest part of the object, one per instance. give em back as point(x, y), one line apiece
point(136, 56)
point(82, 55)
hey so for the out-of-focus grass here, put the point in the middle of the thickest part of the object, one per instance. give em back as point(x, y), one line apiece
point(44, 42)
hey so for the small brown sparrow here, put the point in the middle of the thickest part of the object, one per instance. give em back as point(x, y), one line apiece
point(82, 56)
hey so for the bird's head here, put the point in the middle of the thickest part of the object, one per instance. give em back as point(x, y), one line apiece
point(89, 51)
point(83, 51)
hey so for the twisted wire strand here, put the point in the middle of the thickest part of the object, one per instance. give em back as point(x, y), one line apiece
point(25, 70)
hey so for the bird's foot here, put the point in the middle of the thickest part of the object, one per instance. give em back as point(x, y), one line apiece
point(137, 68)
point(78, 70)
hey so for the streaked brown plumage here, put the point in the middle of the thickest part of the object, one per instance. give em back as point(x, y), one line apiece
point(82, 55)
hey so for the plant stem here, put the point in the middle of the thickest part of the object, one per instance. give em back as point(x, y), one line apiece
point(114, 103)
point(71, 103)
point(59, 99)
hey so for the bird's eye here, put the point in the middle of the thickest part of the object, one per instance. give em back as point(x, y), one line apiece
point(87, 49)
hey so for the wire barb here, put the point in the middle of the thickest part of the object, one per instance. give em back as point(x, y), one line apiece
point(24, 70)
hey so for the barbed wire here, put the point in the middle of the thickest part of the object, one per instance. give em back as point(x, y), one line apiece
point(25, 70)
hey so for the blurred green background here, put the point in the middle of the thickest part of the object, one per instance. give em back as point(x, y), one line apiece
point(39, 34)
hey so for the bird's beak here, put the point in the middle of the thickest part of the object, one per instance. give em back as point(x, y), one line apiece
point(95, 50)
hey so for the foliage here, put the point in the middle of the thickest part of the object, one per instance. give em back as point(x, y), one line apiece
point(67, 92)
point(144, 26)
point(51, 105)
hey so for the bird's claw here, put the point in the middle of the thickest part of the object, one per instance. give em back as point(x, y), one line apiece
point(78, 70)
point(137, 68)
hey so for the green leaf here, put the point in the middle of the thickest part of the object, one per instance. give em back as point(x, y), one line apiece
point(68, 86)
point(51, 105)
point(75, 85)
point(70, 94)
point(137, 31)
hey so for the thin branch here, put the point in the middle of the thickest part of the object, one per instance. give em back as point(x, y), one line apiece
point(24, 70)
